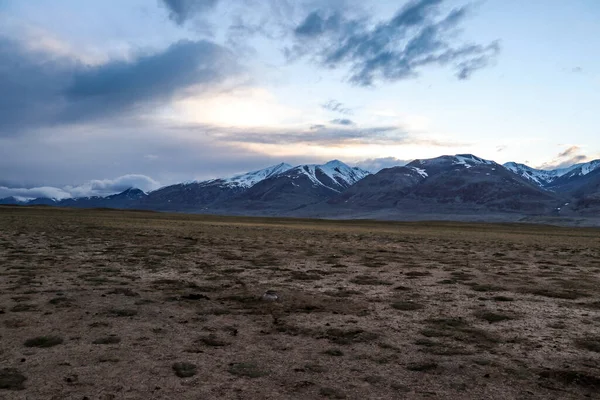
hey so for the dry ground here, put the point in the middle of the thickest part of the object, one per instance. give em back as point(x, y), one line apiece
point(134, 305)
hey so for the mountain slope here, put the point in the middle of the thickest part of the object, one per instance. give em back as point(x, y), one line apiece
point(199, 196)
point(10, 201)
point(298, 187)
point(383, 189)
point(560, 180)
point(449, 184)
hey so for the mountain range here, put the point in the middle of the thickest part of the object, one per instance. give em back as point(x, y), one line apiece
point(451, 186)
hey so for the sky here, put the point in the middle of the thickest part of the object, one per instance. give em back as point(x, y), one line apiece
point(97, 96)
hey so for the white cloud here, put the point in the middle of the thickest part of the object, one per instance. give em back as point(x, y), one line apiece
point(102, 187)
point(31, 193)
point(106, 187)
point(375, 165)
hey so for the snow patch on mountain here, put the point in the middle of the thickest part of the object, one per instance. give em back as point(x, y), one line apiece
point(420, 171)
point(337, 171)
point(252, 178)
point(340, 175)
point(469, 160)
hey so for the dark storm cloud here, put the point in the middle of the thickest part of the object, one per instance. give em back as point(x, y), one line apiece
point(342, 121)
point(392, 50)
point(114, 86)
point(181, 11)
point(38, 89)
point(30, 86)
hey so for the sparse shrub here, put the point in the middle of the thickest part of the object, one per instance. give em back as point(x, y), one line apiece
point(492, 317)
point(122, 312)
point(334, 352)
point(591, 343)
point(350, 336)
point(557, 294)
point(486, 288)
point(61, 301)
point(502, 298)
point(422, 366)
point(373, 379)
point(462, 276)
point(125, 292)
point(407, 306)
point(368, 280)
point(417, 274)
point(332, 393)
point(303, 276)
point(342, 293)
point(24, 308)
point(11, 379)
point(447, 282)
point(248, 370)
point(213, 341)
point(44, 341)
point(458, 330)
point(184, 369)
point(572, 378)
point(107, 340)
point(315, 368)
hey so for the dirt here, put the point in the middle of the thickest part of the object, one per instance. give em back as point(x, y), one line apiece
point(102, 304)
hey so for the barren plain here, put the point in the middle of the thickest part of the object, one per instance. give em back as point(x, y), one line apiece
point(99, 304)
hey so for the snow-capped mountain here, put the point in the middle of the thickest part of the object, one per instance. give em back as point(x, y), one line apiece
point(540, 177)
point(334, 175)
point(10, 200)
point(555, 177)
point(126, 199)
point(250, 179)
point(298, 187)
point(461, 183)
point(582, 169)
point(459, 160)
point(226, 193)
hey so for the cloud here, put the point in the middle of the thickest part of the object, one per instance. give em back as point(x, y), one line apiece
point(566, 158)
point(181, 11)
point(106, 187)
point(336, 106)
point(342, 121)
point(111, 87)
point(375, 165)
point(392, 50)
point(569, 151)
point(102, 187)
point(315, 135)
point(32, 193)
point(39, 88)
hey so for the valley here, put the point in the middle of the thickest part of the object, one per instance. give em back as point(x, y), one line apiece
point(106, 304)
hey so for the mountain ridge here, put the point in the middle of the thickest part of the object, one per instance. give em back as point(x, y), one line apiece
point(444, 184)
